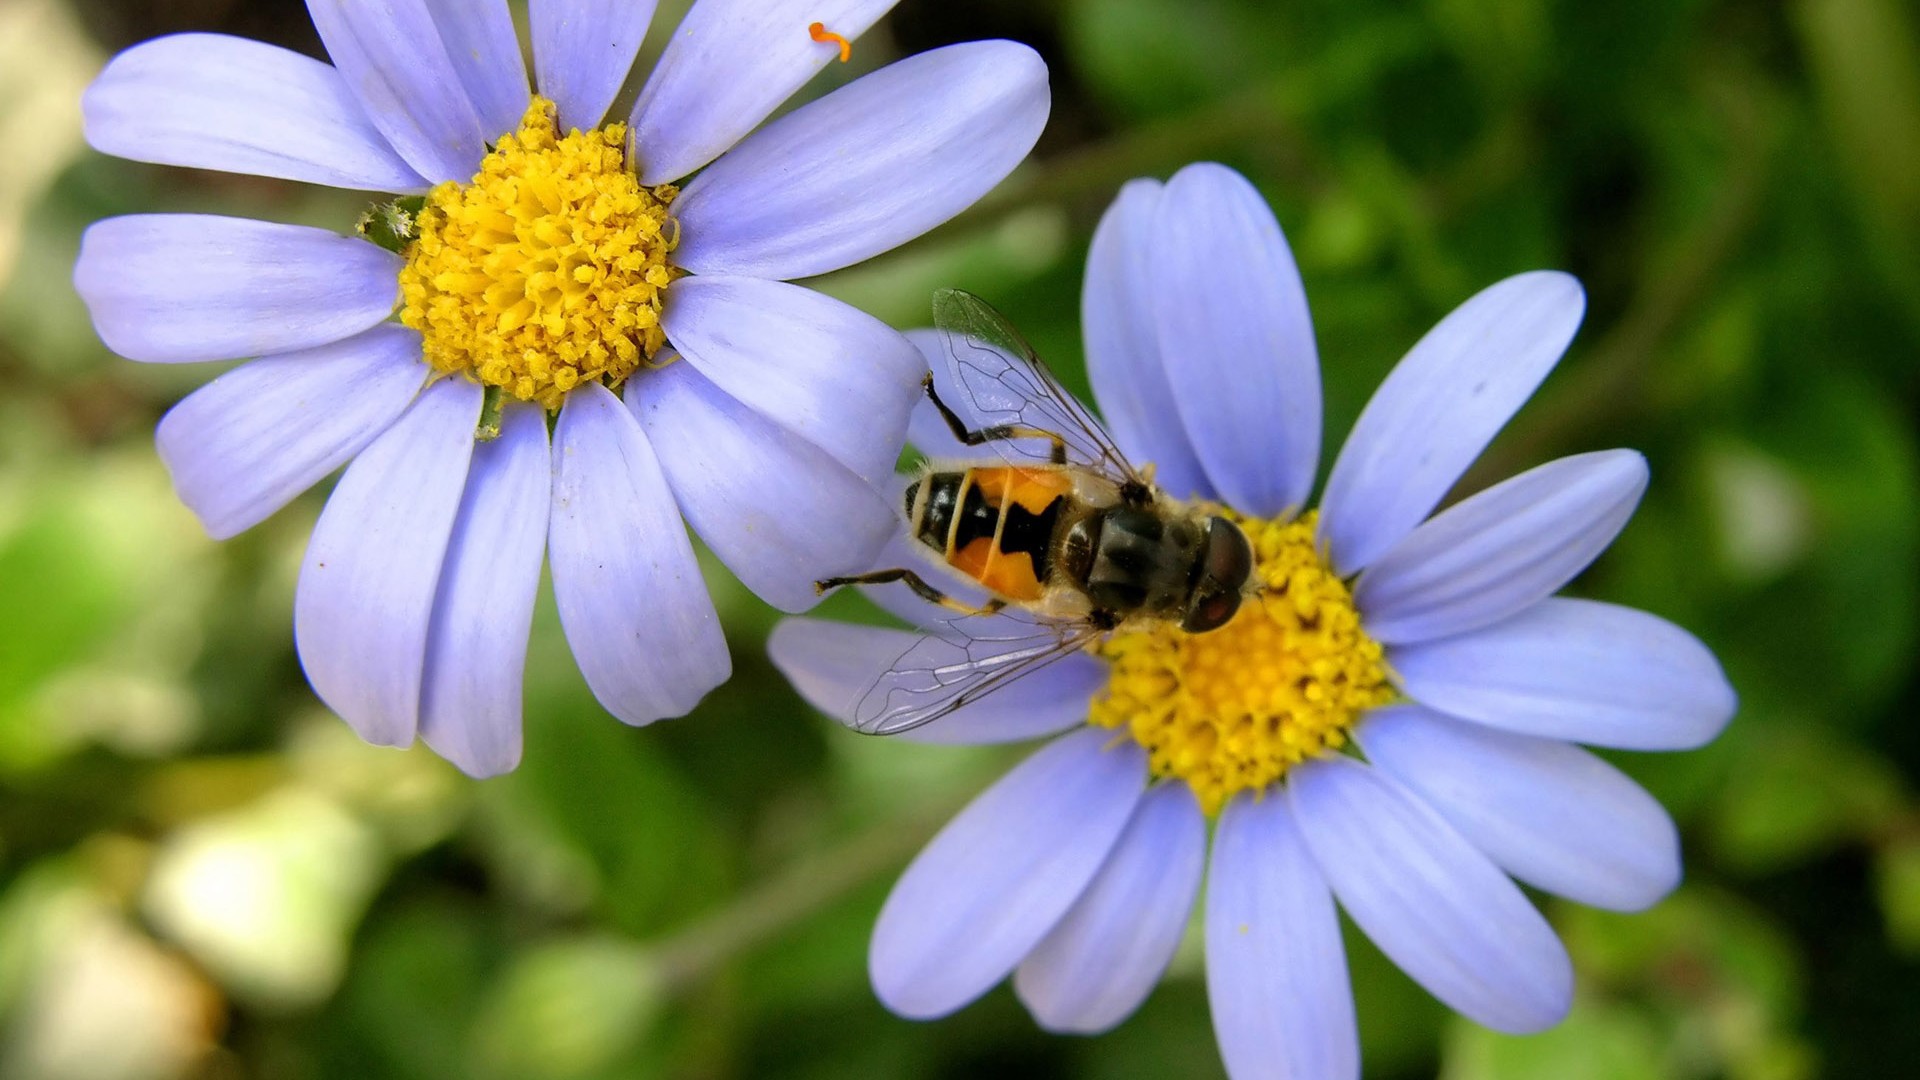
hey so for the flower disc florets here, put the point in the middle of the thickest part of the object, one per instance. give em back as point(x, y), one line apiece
point(1234, 709)
point(548, 269)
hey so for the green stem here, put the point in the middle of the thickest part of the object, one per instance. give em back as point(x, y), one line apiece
point(489, 427)
point(789, 898)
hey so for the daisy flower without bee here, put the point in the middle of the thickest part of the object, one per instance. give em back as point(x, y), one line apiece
point(1388, 725)
point(543, 264)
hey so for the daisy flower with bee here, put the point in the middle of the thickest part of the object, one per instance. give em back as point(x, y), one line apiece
point(554, 347)
point(1366, 705)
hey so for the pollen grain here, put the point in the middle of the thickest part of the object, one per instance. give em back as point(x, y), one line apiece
point(1233, 709)
point(820, 33)
point(549, 269)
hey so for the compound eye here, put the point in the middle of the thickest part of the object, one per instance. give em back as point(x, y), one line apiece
point(1229, 561)
point(1211, 612)
point(1223, 572)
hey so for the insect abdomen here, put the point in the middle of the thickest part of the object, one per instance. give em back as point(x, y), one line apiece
point(994, 525)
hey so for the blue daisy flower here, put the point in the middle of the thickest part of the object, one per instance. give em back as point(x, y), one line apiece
point(1431, 643)
point(544, 262)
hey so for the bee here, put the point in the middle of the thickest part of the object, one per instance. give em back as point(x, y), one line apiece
point(1068, 540)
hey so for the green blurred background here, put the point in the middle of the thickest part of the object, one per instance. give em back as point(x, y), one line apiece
point(202, 874)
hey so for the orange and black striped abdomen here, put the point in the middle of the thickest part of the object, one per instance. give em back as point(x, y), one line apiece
point(993, 524)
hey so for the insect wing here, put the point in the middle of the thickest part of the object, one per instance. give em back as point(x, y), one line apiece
point(999, 374)
point(941, 673)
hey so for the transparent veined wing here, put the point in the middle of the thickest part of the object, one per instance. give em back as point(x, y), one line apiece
point(1008, 386)
point(941, 673)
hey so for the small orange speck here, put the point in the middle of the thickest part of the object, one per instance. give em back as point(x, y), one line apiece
point(820, 33)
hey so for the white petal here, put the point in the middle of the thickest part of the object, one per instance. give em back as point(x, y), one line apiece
point(1103, 959)
point(775, 508)
point(1577, 669)
point(1237, 340)
point(361, 610)
point(175, 288)
point(485, 50)
point(726, 68)
point(831, 374)
point(1440, 407)
point(1124, 363)
point(209, 101)
point(242, 446)
point(477, 647)
point(1276, 970)
point(1430, 900)
point(868, 167)
point(395, 62)
point(582, 52)
point(1549, 813)
point(1002, 873)
point(631, 598)
point(1502, 550)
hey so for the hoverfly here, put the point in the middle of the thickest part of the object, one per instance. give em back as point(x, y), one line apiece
point(1068, 539)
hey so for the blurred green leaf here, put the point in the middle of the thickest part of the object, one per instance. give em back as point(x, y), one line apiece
point(418, 977)
point(1838, 634)
point(1865, 58)
point(598, 789)
point(1152, 58)
point(1897, 876)
point(566, 1010)
point(53, 609)
point(1597, 1041)
point(1725, 982)
point(267, 895)
point(1793, 793)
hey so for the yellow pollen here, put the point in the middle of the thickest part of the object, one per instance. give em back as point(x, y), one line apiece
point(1232, 710)
point(548, 270)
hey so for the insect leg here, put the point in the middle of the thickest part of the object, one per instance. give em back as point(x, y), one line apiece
point(998, 433)
point(915, 582)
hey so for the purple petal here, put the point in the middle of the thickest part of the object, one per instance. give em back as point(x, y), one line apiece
point(1124, 363)
point(242, 446)
point(1237, 340)
point(1549, 813)
point(209, 101)
point(1276, 970)
point(366, 588)
point(775, 508)
point(927, 431)
point(1576, 669)
point(835, 376)
point(173, 288)
point(727, 67)
point(477, 647)
point(868, 167)
point(1101, 961)
point(1502, 550)
point(582, 52)
point(1431, 901)
point(631, 598)
point(1440, 407)
point(1002, 873)
point(395, 62)
point(833, 664)
point(483, 47)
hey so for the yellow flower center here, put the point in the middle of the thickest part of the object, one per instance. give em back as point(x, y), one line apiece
point(1232, 710)
point(547, 270)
